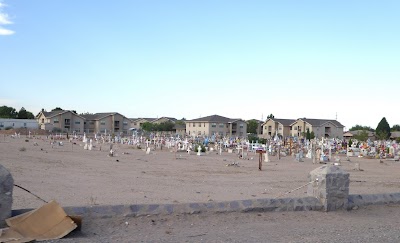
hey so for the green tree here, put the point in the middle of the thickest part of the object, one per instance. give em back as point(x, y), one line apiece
point(359, 127)
point(252, 126)
point(147, 126)
point(8, 112)
point(181, 122)
point(395, 128)
point(362, 136)
point(57, 109)
point(164, 126)
point(22, 113)
point(310, 135)
point(383, 129)
point(270, 116)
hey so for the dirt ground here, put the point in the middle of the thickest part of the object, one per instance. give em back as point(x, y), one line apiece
point(368, 224)
point(77, 177)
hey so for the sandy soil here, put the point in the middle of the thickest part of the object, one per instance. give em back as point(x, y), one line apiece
point(74, 176)
point(370, 224)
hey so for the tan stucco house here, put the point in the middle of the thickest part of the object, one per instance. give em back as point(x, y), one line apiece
point(137, 122)
point(110, 122)
point(64, 120)
point(275, 126)
point(320, 127)
point(216, 125)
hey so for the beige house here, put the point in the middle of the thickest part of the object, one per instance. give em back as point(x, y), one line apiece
point(320, 127)
point(65, 121)
point(164, 119)
point(137, 122)
point(108, 123)
point(180, 129)
point(274, 126)
point(216, 125)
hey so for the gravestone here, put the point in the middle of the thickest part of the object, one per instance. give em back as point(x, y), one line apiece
point(266, 159)
point(330, 185)
point(198, 150)
point(6, 190)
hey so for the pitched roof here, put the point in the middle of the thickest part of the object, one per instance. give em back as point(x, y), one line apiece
point(284, 122)
point(394, 134)
point(320, 122)
point(99, 116)
point(169, 118)
point(49, 114)
point(141, 118)
point(213, 118)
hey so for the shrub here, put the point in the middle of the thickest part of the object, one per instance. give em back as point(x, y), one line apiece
point(195, 146)
point(8, 128)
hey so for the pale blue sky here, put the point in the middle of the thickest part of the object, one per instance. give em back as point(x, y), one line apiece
point(197, 58)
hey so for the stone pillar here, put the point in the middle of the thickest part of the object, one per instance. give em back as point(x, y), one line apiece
point(330, 185)
point(6, 189)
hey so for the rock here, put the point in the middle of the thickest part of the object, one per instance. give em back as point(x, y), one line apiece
point(6, 190)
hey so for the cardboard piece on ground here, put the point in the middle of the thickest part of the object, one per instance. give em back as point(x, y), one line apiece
point(48, 222)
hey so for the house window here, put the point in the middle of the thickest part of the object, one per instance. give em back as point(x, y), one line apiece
point(204, 124)
point(280, 128)
point(55, 120)
point(42, 120)
point(125, 123)
point(24, 124)
point(221, 125)
point(213, 124)
point(295, 128)
point(102, 123)
point(241, 125)
point(221, 133)
point(134, 123)
point(194, 124)
point(77, 122)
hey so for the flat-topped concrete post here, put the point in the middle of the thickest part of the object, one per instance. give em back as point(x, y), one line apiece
point(330, 185)
point(6, 190)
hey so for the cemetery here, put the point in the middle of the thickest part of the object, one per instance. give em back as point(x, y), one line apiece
point(103, 169)
point(103, 175)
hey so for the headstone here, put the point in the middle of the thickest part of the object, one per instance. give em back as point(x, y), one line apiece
point(148, 150)
point(330, 185)
point(199, 150)
point(90, 144)
point(266, 159)
point(6, 191)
